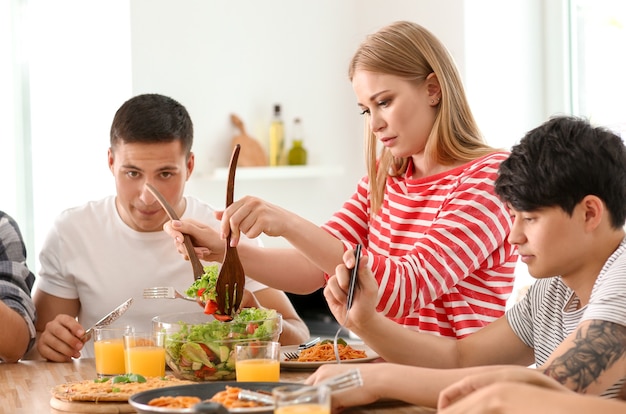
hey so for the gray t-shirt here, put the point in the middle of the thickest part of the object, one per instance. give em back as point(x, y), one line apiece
point(547, 314)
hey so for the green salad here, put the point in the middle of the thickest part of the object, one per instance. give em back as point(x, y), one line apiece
point(203, 352)
point(204, 289)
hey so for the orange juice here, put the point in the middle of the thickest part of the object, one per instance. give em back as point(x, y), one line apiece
point(303, 409)
point(267, 370)
point(109, 355)
point(148, 361)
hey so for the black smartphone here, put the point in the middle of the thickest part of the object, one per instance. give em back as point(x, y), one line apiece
point(352, 285)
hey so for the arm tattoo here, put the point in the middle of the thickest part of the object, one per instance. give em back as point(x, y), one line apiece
point(594, 351)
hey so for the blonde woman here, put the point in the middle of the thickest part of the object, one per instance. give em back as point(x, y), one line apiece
point(426, 214)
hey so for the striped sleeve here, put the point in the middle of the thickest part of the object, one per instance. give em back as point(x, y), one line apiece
point(440, 240)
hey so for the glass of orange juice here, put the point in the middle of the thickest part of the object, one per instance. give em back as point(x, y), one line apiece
point(298, 399)
point(109, 350)
point(258, 361)
point(145, 353)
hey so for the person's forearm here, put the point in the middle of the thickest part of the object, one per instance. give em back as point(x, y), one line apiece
point(294, 332)
point(407, 346)
point(284, 269)
point(13, 345)
point(317, 245)
point(416, 385)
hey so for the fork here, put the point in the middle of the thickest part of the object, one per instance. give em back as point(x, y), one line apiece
point(291, 355)
point(341, 382)
point(231, 279)
point(196, 265)
point(306, 345)
point(164, 292)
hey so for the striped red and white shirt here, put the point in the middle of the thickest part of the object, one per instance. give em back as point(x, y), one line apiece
point(438, 248)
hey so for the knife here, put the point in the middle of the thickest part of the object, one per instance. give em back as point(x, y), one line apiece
point(108, 319)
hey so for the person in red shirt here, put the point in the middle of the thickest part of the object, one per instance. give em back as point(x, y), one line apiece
point(431, 226)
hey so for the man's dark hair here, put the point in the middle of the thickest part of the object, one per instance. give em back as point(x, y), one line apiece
point(561, 162)
point(152, 118)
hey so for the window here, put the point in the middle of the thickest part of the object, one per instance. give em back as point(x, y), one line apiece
point(598, 38)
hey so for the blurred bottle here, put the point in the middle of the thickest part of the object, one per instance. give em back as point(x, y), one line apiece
point(277, 138)
point(297, 153)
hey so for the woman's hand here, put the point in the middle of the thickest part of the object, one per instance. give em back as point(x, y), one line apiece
point(252, 217)
point(365, 293)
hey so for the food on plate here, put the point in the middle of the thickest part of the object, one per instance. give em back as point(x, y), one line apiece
point(118, 388)
point(325, 351)
point(180, 401)
point(205, 351)
point(229, 398)
point(203, 289)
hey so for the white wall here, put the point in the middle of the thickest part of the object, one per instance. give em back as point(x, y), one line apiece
point(243, 56)
point(79, 65)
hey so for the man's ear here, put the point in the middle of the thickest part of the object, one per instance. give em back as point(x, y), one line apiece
point(191, 161)
point(594, 211)
point(111, 159)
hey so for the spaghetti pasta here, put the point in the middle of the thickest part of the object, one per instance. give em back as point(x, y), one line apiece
point(326, 352)
point(229, 398)
point(180, 401)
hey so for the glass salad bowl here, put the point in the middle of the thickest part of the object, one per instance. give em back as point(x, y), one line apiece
point(200, 348)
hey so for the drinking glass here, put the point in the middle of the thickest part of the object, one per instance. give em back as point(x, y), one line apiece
point(298, 399)
point(145, 353)
point(258, 361)
point(109, 350)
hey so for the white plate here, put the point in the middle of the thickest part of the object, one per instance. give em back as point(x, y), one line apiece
point(292, 365)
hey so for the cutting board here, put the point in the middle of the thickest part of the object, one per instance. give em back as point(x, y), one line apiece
point(252, 153)
point(90, 407)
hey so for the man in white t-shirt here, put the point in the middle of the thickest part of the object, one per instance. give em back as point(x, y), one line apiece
point(565, 186)
point(99, 254)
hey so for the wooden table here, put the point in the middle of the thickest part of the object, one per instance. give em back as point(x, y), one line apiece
point(25, 386)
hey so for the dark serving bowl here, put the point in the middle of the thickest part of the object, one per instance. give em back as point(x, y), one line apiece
point(204, 391)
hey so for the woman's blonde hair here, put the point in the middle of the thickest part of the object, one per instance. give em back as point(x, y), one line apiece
point(409, 51)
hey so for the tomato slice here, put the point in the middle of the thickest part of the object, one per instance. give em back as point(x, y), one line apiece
point(210, 307)
point(251, 327)
point(210, 354)
point(222, 318)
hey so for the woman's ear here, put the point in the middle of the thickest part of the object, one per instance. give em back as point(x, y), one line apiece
point(433, 88)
